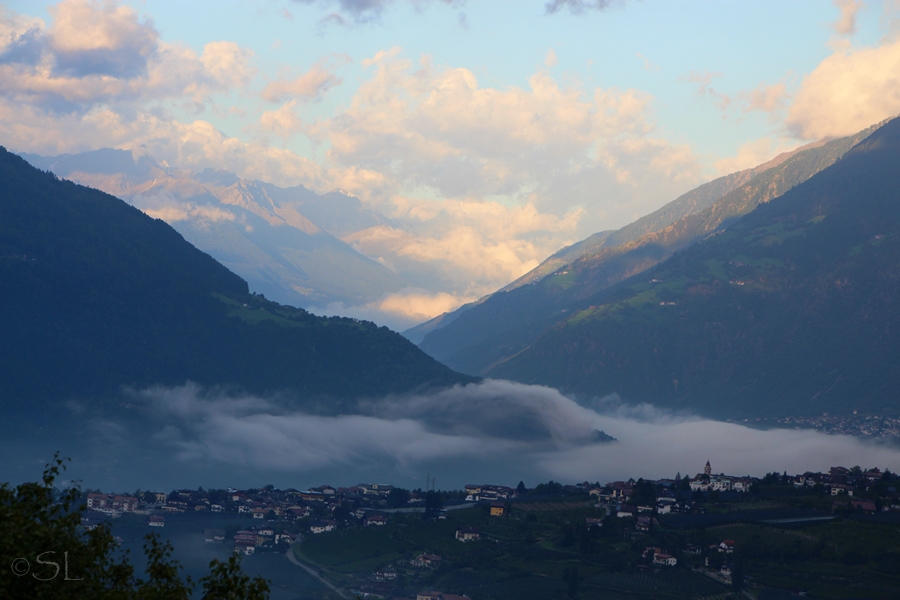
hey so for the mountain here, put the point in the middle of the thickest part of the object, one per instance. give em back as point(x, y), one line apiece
point(792, 310)
point(689, 203)
point(510, 320)
point(99, 296)
point(283, 241)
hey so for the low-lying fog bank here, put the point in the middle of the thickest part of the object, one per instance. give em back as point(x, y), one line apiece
point(495, 431)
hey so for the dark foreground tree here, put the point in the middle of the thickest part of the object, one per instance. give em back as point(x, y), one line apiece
point(46, 554)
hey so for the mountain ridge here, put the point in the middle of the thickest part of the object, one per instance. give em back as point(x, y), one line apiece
point(102, 296)
point(259, 230)
point(503, 324)
point(792, 310)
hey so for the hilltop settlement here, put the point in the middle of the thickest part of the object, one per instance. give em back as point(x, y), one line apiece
point(710, 532)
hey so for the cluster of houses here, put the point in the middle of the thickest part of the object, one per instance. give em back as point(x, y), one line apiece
point(616, 498)
point(247, 541)
point(659, 557)
point(468, 534)
point(439, 596)
point(478, 493)
point(426, 561)
point(381, 583)
point(707, 482)
point(367, 503)
point(269, 504)
point(841, 481)
point(112, 504)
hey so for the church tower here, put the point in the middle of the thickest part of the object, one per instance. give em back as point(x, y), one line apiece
point(707, 470)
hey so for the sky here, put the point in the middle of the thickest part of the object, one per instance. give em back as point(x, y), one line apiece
point(492, 133)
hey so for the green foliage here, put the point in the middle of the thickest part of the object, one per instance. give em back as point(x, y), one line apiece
point(46, 554)
point(398, 497)
point(434, 502)
point(644, 492)
point(226, 581)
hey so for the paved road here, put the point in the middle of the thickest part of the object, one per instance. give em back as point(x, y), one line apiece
point(328, 584)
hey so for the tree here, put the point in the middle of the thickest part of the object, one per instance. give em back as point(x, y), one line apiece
point(50, 557)
point(398, 497)
point(521, 490)
point(226, 581)
point(433, 503)
point(644, 492)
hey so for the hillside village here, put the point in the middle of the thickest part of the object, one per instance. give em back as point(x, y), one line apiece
point(866, 426)
point(275, 520)
point(325, 508)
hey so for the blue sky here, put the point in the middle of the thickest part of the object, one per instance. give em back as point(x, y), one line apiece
point(745, 43)
point(491, 132)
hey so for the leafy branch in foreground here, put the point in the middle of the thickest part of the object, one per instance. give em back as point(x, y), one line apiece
point(45, 554)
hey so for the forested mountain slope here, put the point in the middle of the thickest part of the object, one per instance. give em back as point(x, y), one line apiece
point(97, 295)
point(509, 321)
point(794, 309)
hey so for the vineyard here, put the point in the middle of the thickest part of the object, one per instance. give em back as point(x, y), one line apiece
point(545, 550)
point(670, 582)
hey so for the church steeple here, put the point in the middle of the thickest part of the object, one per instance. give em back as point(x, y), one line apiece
point(707, 470)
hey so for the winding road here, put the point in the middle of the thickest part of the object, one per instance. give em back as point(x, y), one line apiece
point(290, 556)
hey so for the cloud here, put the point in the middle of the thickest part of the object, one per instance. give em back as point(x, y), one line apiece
point(99, 38)
point(464, 246)
point(765, 98)
point(890, 19)
point(228, 64)
point(311, 85)
point(771, 99)
point(754, 153)
point(251, 432)
point(438, 129)
point(550, 60)
point(172, 210)
point(848, 91)
point(420, 305)
point(368, 11)
point(283, 121)
point(495, 431)
point(703, 80)
point(362, 10)
point(648, 66)
point(100, 53)
point(399, 310)
point(576, 7)
point(846, 23)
